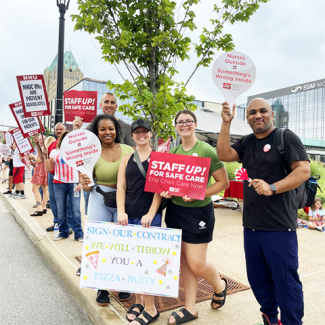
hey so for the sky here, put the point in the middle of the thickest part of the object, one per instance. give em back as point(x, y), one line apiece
point(285, 40)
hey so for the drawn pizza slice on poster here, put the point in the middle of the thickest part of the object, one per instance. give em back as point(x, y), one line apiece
point(93, 258)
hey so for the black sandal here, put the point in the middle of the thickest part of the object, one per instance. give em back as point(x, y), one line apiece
point(182, 320)
point(37, 214)
point(222, 294)
point(133, 312)
point(148, 317)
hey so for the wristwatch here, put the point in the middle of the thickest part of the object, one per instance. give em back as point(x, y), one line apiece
point(273, 189)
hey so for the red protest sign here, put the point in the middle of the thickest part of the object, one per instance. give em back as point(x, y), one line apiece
point(29, 126)
point(33, 95)
point(180, 175)
point(23, 144)
point(164, 146)
point(81, 104)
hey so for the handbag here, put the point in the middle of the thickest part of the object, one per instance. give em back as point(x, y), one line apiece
point(164, 202)
point(109, 198)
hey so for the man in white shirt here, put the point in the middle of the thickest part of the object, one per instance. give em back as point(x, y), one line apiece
point(18, 175)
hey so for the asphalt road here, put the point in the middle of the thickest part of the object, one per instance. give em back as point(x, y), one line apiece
point(31, 292)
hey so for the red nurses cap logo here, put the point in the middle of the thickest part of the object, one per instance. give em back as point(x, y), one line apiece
point(226, 85)
point(79, 163)
point(267, 148)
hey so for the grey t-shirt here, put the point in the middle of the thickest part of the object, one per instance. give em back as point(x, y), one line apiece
point(126, 133)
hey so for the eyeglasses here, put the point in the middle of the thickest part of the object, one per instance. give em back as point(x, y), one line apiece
point(187, 123)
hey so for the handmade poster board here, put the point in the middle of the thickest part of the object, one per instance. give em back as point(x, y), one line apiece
point(131, 259)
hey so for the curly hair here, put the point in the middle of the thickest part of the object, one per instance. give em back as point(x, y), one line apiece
point(93, 127)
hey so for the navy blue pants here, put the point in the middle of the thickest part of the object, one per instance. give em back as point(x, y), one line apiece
point(272, 270)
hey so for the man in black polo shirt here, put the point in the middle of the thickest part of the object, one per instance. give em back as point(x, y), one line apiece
point(270, 211)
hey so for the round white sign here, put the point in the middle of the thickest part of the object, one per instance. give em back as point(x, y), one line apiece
point(233, 73)
point(81, 149)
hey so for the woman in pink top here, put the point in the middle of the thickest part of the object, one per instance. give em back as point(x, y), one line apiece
point(66, 183)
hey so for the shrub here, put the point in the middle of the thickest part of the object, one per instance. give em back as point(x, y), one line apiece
point(231, 168)
point(318, 168)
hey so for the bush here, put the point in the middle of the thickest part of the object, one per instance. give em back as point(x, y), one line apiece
point(231, 168)
point(318, 168)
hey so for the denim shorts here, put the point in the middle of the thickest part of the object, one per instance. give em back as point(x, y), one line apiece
point(156, 221)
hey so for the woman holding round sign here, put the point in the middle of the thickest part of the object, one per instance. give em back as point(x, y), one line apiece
point(65, 184)
point(102, 199)
point(196, 219)
point(137, 207)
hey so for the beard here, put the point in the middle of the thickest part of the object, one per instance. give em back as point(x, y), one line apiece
point(261, 129)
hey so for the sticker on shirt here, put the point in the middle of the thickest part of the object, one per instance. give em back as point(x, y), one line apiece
point(267, 148)
point(195, 154)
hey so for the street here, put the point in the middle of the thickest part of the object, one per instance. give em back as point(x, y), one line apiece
point(31, 292)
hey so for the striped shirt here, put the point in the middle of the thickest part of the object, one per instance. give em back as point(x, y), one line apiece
point(63, 173)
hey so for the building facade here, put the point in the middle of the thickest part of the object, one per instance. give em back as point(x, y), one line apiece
point(300, 108)
point(71, 75)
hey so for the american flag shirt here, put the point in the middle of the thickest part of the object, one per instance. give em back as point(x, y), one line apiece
point(63, 173)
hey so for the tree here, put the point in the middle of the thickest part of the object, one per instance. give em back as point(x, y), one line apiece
point(149, 37)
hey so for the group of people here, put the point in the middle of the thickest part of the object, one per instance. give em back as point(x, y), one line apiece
point(269, 212)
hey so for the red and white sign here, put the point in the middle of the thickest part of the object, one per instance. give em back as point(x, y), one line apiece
point(5, 150)
point(180, 175)
point(8, 138)
point(233, 73)
point(81, 104)
point(242, 175)
point(163, 146)
point(81, 149)
point(23, 144)
point(29, 126)
point(33, 95)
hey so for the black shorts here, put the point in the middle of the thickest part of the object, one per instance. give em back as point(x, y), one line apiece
point(197, 224)
point(11, 167)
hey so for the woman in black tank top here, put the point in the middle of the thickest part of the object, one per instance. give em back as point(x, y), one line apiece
point(135, 206)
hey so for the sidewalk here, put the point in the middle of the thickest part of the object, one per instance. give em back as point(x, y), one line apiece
point(226, 252)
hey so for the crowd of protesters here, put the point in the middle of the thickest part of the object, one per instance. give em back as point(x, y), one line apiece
point(120, 175)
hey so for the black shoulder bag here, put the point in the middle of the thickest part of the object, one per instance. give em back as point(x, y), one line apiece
point(164, 201)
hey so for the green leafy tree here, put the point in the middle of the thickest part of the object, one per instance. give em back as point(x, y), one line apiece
point(150, 37)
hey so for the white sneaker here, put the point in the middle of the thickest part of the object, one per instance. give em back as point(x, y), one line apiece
point(319, 228)
point(20, 196)
point(13, 195)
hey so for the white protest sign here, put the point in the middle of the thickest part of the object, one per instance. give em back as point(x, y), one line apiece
point(131, 259)
point(29, 126)
point(5, 150)
point(33, 95)
point(81, 149)
point(23, 144)
point(9, 139)
point(233, 73)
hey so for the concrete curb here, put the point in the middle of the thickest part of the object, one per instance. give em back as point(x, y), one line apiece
point(63, 267)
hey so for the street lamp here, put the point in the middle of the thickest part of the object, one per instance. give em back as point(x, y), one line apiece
point(63, 7)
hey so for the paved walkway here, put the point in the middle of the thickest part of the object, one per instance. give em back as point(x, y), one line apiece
point(226, 252)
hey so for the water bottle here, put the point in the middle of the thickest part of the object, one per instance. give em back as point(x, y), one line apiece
point(56, 230)
point(75, 193)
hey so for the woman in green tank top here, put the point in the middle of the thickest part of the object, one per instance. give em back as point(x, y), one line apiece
point(105, 172)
